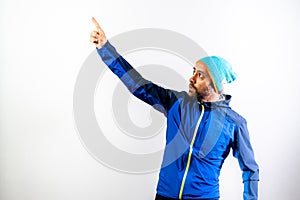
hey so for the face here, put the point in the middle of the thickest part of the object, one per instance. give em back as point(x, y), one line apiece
point(200, 82)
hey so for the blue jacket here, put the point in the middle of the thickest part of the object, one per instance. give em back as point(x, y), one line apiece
point(199, 136)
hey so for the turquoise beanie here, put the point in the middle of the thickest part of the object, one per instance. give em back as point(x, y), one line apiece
point(220, 71)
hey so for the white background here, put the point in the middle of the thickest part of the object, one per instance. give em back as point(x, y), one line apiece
point(44, 44)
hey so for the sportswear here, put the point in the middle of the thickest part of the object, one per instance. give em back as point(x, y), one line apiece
point(199, 136)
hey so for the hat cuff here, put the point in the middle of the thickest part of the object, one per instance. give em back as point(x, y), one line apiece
point(213, 80)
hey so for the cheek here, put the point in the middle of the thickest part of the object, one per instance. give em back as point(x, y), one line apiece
point(202, 85)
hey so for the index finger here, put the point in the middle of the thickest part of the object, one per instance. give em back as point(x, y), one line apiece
point(96, 24)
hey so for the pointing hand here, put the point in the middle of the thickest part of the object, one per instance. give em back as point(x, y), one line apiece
point(97, 36)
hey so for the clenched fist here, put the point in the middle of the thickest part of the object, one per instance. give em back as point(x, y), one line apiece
point(97, 36)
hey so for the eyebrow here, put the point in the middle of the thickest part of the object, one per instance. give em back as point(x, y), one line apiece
point(198, 70)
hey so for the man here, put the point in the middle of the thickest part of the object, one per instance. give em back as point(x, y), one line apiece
point(201, 127)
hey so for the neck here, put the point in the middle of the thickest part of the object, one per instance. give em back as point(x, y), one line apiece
point(212, 97)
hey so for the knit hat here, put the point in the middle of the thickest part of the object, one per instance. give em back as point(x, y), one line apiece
point(220, 71)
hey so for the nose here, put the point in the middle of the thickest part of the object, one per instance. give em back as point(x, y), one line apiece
point(192, 79)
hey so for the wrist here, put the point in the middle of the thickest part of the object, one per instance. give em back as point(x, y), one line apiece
point(101, 44)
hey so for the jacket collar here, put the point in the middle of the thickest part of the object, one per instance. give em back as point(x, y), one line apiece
point(221, 103)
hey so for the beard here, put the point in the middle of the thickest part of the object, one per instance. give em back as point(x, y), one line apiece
point(200, 93)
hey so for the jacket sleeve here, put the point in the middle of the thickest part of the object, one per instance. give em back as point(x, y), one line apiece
point(243, 151)
point(160, 98)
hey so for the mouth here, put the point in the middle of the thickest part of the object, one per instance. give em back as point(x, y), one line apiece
point(191, 88)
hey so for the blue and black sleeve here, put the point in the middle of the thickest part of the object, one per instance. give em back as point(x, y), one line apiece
point(243, 151)
point(160, 98)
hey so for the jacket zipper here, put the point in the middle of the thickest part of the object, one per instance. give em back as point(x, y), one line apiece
point(190, 153)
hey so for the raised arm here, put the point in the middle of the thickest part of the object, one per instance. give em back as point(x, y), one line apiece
point(160, 98)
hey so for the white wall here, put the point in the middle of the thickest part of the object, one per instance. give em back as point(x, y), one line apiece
point(43, 47)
